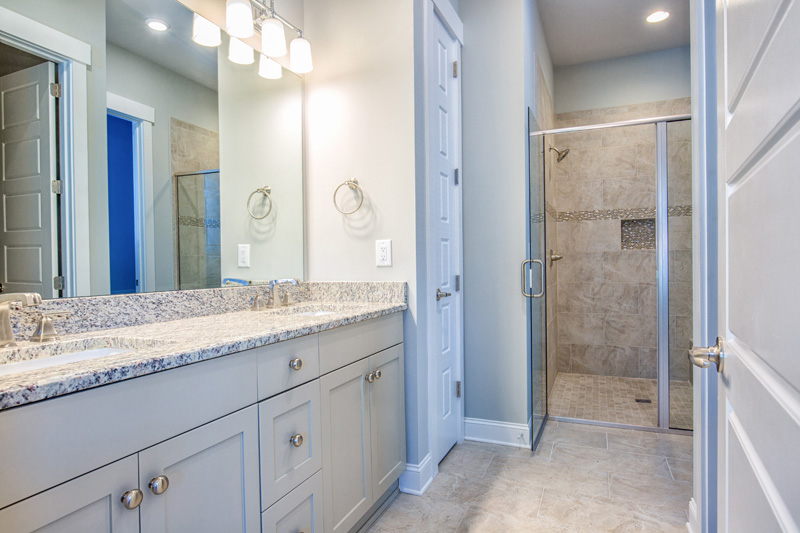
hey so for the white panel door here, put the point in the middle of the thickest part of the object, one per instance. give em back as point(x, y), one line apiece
point(444, 215)
point(759, 189)
point(28, 234)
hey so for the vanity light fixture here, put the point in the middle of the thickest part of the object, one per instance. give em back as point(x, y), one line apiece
point(657, 16)
point(239, 52)
point(157, 24)
point(300, 55)
point(205, 32)
point(269, 69)
point(239, 18)
point(273, 38)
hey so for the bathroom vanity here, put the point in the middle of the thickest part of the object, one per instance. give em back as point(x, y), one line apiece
point(284, 420)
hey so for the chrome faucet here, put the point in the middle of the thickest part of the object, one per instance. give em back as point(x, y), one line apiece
point(13, 301)
point(274, 301)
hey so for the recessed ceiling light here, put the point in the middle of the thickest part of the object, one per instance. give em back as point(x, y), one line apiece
point(658, 16)
point(157, 25)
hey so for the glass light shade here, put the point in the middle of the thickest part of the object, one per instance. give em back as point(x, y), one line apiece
point(273, 39)
point(240, 53)
point(269, 69)
point(239, 18)
point(157, 24)
point(205, 32)
point(300, 56)
point(658, 16)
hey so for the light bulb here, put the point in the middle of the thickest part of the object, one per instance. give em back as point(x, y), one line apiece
point(239, 52)
point(269, 69)
point(157, 25)
point(273, 39)
point(300, 56)
point(205, 32)
point(239, 18)
point(658, 16)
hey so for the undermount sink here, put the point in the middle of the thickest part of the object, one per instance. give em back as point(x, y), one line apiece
point(316, 313)
point(38, 356)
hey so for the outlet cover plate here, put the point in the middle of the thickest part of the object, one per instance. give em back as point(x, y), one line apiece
point(383, 253)
point(244, 256)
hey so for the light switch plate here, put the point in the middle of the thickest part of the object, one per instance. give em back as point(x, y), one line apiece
point(244, 255)
point(383, 253)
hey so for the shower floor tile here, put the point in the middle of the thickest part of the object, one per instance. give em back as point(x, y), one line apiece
point(613, 399)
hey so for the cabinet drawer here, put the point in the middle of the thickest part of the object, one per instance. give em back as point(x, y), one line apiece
point(275, 374)
point(341, 346)
point(285, 464)
point(300, 510)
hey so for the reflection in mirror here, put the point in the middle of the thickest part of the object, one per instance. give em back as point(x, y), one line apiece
point(185, 138)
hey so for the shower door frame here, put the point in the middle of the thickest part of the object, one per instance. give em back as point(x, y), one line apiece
point(662, 243)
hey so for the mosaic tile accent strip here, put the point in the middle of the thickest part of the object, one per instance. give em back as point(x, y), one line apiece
point(537, 218)
point(638, 234)
point(622, 214)
point(198, 222)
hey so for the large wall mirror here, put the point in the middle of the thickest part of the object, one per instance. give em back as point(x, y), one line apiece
point(162, 166)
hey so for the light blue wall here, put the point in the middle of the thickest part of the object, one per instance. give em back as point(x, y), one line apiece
point(650, 77)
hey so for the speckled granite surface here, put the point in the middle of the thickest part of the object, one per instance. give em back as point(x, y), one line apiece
point(165, 343)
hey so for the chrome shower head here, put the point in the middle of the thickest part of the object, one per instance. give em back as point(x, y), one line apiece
point(561, 153)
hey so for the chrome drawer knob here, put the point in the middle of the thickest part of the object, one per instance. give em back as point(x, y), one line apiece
point(159, 485)
point(296, 363)
point(370, 377)
point(296, 440)
point(378, 374)
point(132, 498)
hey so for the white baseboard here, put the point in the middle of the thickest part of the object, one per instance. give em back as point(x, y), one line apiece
point(693, 525)
point(494, 432)
point(417, 478)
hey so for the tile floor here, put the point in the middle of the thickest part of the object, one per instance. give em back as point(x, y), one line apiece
point(613, 399)
point(581, 479)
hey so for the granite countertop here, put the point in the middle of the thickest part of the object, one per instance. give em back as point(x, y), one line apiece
point(165, 345)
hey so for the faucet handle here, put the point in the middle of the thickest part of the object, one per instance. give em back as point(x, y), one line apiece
point(45, 330)
point(256, 304)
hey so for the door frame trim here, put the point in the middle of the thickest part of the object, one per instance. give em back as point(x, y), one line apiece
point(144, 117)
point(72, 57)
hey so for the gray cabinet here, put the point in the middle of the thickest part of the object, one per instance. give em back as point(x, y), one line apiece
point(205, 479)
point(363, 435)
point(300, 510)
point(91, 502)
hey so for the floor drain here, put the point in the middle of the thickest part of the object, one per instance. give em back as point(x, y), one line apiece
point(642, 400)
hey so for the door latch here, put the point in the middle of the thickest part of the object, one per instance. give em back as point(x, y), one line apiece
point(703, 357)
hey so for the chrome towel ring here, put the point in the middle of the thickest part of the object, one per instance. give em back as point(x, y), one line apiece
point(351, 184)
point(265, 190)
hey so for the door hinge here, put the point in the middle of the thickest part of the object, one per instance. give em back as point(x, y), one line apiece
point(56, 186)
point(455, 69)
point(458, 282)
point(455, 174)
point(458, 389)
point(55, 90)
point(58, 283)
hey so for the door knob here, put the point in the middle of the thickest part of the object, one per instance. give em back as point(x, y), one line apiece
point(296, 363)
point(296, 440)
point(440, 294)
point(703, 357)
point(159, 485)
point(132, 498)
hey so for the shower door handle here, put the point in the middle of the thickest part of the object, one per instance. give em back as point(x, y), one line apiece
point(525, 278)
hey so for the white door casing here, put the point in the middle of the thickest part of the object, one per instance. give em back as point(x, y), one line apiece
point(758, 189)
point(444, 233)
point(28, 163)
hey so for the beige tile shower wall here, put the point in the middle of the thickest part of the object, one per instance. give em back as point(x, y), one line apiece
point(606, 303)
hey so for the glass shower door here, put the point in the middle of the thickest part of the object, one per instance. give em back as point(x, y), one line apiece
point(534, 283)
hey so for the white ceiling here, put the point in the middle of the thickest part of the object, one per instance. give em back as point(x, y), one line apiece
point(579, 31)
point(172, 49)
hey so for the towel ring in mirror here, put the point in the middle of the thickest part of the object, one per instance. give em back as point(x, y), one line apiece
point(353, 185)
point(265, 190)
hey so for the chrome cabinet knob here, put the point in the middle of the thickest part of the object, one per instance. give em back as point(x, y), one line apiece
point(132, 498)
point(370, 377)
point(440, 294)
point(703, 357)
point(296, 440)
point(378, 374)
point(159, 485)
point(296, 363)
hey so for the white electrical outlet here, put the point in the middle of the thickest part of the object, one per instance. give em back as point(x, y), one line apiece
point(244, 255)
point(383, 253)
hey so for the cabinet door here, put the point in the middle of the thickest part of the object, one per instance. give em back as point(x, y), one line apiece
point(300, 510)
point(346, 463)
point(290, 441)
point(91, 502)
point(212, 478)
point(387, 418)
